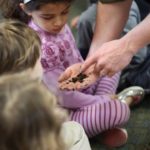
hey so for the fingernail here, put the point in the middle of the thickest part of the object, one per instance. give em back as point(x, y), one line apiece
point(80, 69)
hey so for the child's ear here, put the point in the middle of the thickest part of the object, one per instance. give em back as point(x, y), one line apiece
point(23, 7)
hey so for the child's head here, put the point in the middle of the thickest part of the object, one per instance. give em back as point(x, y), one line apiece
point(50, 15)
point(19, 47)
point(29, 117)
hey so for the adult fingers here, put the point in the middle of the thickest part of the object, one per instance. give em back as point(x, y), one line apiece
point(65, 75)
point(99, 69)
point(105, 69)
point(103, 73)
point(88, 62)
point(111, 73)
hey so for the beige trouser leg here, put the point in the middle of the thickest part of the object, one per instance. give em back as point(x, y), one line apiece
point(74, 136)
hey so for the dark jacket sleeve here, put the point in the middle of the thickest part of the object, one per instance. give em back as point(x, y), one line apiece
point(110, 1)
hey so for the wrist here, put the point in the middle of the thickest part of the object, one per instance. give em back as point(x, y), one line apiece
point(132, 47)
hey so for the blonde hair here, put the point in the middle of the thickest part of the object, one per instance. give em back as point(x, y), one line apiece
point(19, 47)
point(29, 116)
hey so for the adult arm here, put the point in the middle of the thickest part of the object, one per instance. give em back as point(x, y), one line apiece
point(110, 21)
point(139, 36)
point(115, 55)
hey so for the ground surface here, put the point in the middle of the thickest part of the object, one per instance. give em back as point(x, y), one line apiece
point(138, 129)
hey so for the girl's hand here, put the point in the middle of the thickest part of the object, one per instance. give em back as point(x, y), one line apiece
point(73, 79)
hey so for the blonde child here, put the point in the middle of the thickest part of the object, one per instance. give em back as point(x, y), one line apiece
point(20, 52)
point(29, 116)
point(19, 48)
point(93, 107)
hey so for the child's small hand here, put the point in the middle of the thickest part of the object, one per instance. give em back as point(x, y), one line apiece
point(67, 75)
point(74, 22)
point(72, 79)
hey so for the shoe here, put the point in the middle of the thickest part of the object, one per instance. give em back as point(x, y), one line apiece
point(136, 92)
point(114, 137)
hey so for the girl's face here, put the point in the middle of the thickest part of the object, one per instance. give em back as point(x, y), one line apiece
point(51, 17)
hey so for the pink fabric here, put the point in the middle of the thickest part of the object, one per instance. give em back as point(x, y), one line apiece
point(92, 107)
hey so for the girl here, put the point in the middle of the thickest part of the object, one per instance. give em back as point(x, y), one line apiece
point(19, 52)
point(92, 107)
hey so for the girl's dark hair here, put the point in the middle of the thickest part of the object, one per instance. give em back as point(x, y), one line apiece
point(11, 8)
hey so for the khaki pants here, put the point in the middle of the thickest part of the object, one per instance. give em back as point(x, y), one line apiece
point(74, 136)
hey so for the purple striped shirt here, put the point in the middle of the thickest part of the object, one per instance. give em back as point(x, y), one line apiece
point(91, 107)
point(59, 52)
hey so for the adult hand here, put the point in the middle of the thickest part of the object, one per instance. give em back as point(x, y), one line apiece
point(110, 58)
point(73, 79)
